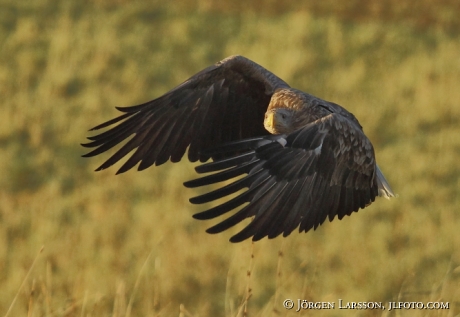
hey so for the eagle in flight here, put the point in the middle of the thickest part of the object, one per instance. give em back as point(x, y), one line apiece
point(301, 159)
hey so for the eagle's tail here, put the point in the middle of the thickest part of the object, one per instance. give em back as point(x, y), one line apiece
point(384, 188)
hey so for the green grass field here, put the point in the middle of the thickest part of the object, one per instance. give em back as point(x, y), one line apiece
point(127, 245)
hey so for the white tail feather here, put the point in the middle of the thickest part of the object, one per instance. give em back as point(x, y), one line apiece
point(384, 187)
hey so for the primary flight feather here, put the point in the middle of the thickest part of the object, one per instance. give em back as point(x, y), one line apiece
point(305, 159)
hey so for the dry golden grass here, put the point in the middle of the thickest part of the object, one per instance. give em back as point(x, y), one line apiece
point(127, 245)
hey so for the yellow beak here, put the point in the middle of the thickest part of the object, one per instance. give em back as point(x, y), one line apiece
point(269, 121)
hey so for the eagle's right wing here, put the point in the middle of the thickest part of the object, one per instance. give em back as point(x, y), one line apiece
point(222, 103)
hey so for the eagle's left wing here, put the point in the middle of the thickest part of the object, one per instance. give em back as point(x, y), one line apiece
point(325, 169)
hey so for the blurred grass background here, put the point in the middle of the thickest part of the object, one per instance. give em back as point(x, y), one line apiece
point(127, 245)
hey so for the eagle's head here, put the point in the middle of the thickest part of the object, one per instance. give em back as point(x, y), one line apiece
point(279, 120)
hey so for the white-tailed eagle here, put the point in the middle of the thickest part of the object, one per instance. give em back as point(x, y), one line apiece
point(304, 159)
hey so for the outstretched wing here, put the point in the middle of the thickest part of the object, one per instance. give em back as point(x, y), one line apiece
point(325, 169)
point(222, 103)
